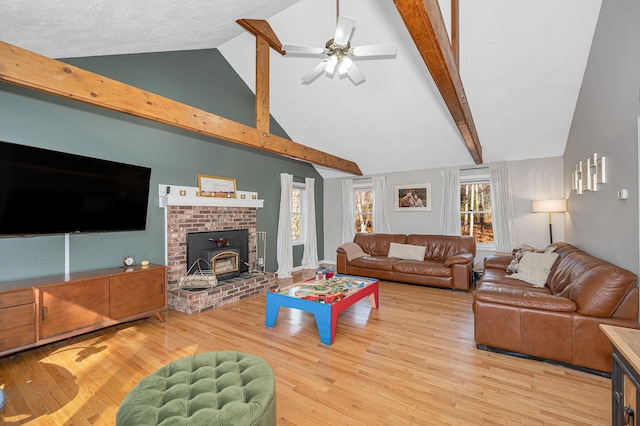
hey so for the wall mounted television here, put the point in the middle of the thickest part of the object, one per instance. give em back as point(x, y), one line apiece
point(51, 192)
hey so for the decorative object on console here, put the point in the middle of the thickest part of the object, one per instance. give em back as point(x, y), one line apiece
point(128, 260)
point(413, 197)
point(216, 186)
point(549, 206)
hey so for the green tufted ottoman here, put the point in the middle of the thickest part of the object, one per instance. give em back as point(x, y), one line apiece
point(212, 388)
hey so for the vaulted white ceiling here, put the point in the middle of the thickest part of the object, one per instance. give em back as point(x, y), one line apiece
point(521, 64)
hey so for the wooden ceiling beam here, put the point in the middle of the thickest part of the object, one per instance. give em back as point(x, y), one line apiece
point(31, 70)
point(424, 21)
point(265, 38)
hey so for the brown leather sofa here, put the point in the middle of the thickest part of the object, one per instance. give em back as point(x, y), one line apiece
point(447, 262)
point(560, 321)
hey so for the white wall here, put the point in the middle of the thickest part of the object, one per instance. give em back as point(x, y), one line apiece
point(531, 180)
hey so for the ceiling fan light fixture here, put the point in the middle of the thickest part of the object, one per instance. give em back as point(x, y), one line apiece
point(331, 65)
point(344, 65)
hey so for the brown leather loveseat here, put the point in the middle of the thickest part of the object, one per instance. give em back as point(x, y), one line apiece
point(560, 321)
point(442, 260)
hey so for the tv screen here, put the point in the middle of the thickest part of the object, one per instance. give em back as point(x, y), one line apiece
point(50, 192)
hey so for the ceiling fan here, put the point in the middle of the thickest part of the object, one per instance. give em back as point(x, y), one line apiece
point(339, 52)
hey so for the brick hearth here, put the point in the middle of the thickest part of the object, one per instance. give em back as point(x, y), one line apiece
point(184, 219)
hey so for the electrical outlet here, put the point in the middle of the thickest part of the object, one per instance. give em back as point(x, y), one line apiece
point(260, 261)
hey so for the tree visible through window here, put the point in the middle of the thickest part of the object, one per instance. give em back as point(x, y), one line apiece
point(363, 209)
point(475, 211)
point(297, 216)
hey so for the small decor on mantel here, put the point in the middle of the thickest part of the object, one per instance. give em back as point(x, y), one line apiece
point(216, 186)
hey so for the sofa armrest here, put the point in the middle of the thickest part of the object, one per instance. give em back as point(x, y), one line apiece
point(458, 258)
point(497, 262)
point(526, 299)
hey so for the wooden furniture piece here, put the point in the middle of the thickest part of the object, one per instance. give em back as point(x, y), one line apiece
point(38, 311)
point(325, 299)
point(625, 374)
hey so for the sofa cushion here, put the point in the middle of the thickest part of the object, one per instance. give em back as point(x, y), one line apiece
point(521, 298)
point(374, 262)
point(378, 244)
point(534, 268)
point(352, 250)
point(406, 251)
point(599, 290)
point(424, 267)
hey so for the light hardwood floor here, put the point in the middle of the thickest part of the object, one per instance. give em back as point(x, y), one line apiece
point(413, 361)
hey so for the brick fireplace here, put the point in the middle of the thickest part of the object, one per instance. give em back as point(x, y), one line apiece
point(182, 220)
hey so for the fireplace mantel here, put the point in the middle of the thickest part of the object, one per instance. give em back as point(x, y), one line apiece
point(173, 198)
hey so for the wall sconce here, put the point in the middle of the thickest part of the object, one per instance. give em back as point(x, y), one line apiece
point(549, 206)
point(589, 174)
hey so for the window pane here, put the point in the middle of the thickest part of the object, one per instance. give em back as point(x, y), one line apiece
point(364, 223)
point(296, 231)
point(475, 211)
point(296, 213)
point(478, 225)
point(363, 210)
point(364, 200)
point(296, 202)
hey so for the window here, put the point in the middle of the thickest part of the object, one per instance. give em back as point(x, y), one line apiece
point(363, 198)
point(475, 208)
point(297, 214)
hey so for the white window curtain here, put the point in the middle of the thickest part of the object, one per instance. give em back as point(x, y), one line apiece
point(380, 214)
point(450, 202)
point(504, 218)
point(310, 256)
point(348, 214)
point(284, 253)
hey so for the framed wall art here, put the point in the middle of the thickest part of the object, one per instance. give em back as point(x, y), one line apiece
point(216, 186)
point(413, 197)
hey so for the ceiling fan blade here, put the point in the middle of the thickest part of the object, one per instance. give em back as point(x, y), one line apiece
point(355, 74)
point(295, 48)
point(375, 50)
point(344, 28)
point(315, 73)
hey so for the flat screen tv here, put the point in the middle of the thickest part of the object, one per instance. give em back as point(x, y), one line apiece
point(51, 192)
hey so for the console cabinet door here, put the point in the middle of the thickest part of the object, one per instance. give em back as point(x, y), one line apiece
point(73, 306)
point(137, 292)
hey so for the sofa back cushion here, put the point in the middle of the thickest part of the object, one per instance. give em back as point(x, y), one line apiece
point(378, 244)
point(596, 286)
point(439, 247)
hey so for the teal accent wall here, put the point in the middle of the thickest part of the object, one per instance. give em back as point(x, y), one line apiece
point(199, 78)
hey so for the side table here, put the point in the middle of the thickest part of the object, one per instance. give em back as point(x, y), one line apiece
point(625, 377)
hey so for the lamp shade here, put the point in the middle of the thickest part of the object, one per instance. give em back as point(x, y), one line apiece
point(549, 206)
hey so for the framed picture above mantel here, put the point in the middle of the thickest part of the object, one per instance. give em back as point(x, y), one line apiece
point(413, 197)
point(216, 186)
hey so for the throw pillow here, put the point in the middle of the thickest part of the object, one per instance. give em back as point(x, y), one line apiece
point(534, 268)
point(406, 251)
point(513, 266)
point(353, 251)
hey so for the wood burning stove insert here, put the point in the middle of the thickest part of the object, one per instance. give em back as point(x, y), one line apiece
point(227, 251)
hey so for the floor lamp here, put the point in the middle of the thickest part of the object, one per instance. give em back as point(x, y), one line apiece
point(549, 206)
